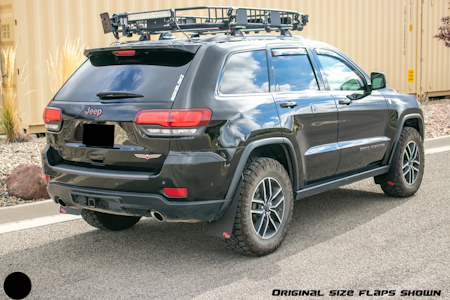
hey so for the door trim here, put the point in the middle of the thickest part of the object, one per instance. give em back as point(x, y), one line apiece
point(346, 144)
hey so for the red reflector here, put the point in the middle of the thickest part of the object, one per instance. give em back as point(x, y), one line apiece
point(390, 183)
point(52, 114)
point(47, 178)
point(124, 52)
point(174, 117)
point(175, 192)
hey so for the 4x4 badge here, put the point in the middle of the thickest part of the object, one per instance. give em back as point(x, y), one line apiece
point(147, 156)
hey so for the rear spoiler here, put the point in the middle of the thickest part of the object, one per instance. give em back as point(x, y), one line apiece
point(191, 48)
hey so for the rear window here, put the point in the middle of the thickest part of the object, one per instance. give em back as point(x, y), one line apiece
point(151, 73)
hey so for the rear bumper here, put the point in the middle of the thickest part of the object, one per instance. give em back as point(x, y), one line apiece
point(206, 175)
point(134, 204)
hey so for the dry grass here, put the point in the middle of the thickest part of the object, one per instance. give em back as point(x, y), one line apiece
point(65, 63)
point(9, 110)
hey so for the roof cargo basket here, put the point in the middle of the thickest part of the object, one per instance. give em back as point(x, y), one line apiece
point(211, 20)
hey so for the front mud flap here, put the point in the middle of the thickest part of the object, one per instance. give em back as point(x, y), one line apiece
point(69, 210)
point(224, 226)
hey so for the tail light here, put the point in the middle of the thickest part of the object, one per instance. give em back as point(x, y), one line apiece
point(173, 122)
point(52, 118)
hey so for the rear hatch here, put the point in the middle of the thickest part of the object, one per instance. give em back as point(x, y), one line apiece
point(99, 102)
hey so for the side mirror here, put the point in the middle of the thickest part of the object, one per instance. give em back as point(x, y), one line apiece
point(378, 80)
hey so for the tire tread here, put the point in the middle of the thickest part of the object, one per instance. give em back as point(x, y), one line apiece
point(239, 241)
point(108, 221)
point(399, 189)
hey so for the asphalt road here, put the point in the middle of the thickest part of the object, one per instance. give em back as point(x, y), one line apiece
point(352, 238)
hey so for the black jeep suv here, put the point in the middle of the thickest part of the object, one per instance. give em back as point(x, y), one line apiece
point(229, 130)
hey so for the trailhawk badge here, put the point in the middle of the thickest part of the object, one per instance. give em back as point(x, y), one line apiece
point(147, 156)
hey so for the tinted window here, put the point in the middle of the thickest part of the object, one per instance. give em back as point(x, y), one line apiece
point(152, 75)
point(340, 76)
point(245, 73)
point(293, 71)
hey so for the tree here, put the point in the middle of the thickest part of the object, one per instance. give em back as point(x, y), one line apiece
point(444, 31)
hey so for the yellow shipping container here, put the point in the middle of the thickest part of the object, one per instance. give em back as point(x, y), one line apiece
point(394, 37)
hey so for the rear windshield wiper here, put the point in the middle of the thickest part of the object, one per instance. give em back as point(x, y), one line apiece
point(118, 95)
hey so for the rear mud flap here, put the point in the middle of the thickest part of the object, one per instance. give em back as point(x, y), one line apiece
point(224, 226)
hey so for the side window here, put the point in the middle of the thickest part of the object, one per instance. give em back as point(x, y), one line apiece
point(293, 71)
point(245, 73)
point(340, 76)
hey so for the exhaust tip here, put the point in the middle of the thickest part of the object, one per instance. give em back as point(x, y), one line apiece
point(158, 216)
point(62, 203)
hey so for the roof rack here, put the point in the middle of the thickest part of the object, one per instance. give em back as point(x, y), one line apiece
point(217, 19)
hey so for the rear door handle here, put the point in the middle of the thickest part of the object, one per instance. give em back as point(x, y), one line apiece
point(289, 104)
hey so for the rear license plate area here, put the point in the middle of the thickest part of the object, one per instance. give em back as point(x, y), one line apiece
point(96, 135)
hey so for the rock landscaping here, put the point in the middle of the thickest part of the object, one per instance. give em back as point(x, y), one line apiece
point(11, 156)
point(437, 118)
point(27, 182)
point(437, 123)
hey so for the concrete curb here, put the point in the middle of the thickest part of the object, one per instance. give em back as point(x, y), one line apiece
point(22, 212)
point(48, 208)
point(442, 141)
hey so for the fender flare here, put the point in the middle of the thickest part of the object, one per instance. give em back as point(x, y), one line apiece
point(390, 176)
point(246, 154)
point(399, 132)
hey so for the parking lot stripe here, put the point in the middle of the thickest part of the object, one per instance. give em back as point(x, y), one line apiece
point(26, 224)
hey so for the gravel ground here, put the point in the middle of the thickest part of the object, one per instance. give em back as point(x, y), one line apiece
point(437, 123)
point(12, 155)
point(437, 118)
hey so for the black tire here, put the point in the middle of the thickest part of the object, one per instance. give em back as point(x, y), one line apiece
point(245, 238)
point(107, 221)
point(404, 185)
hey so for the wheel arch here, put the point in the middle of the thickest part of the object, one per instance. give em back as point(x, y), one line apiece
point(279, 148)
point(410, 120)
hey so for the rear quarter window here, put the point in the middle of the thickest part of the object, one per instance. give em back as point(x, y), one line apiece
point(245, 73)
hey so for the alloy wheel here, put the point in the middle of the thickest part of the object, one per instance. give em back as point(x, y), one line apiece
point(267, 207)
point(411, 163)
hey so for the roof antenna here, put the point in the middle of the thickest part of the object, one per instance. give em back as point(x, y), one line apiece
point(176, 23)
point(182, 31)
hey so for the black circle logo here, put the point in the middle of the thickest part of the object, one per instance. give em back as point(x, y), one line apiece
point(17, 285)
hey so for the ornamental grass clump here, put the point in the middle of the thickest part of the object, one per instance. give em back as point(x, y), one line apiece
point(66, 62)
point(9, 109)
